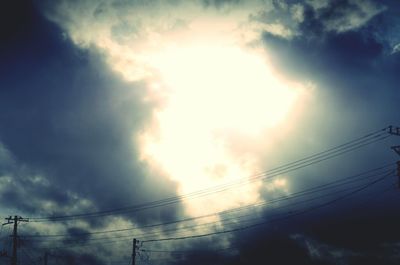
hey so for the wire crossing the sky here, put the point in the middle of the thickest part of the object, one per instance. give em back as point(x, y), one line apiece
point(239, 228)
point(355, 144)
point(353, 190)
point(326, 186)
point(269, 221)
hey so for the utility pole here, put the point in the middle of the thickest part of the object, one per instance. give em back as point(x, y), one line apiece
point(134, 250)
point(396, 131)
point(398, 173)
point(14, 220)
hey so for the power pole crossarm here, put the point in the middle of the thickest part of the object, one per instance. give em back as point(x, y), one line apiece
point(15, 220)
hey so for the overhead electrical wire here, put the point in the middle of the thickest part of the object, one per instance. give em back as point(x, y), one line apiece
point(193, 226)
point(240, 219)
point(309, 191)
point(327, 154)
point(300, 202)
point(240, 228)
point(269, 221)
point(317, 188)
point(184, 251)
point(243, 218)
point(269, 174)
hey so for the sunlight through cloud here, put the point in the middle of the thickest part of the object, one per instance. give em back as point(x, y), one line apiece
point(214, 91)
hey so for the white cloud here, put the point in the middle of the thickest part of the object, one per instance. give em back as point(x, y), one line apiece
point(284, 20)
point(6, 158)
point(126, 32)
point(349, 17)
point(297, 12)
point(396, 48)
point(318, 4)
point(278, 29)
point(130, 36)
point(324, 252)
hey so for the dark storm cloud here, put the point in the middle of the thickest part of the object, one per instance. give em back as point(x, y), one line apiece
point(26, 193)
point(332, 236)
point(64, 117)
point(362, 239)
point(71, 258)
point(66, 125)
point(353, 63)
point(79, 234)
point(358, 69)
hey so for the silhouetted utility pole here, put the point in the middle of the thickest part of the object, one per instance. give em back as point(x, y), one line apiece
point(396, 131)
point(398, 172)
point(14, 220)
point(134, 247)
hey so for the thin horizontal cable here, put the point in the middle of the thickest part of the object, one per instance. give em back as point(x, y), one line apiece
point(319, 157)
point(315, 189)
point(112, 239)
point(318, 188)
point(239, 219)
point(263, 223)
point(186, 251)
point(391, 188)
point(232, 230)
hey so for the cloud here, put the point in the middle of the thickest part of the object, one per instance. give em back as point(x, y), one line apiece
point(278, 30)
point(290, 19)
point(68, 126)
point(334, 254)
point(128, 35)
point(396, 48)
point(343, 16)
point(80, 120)
point(125, 32)
point(220, 3)
point(7, 162)
point(323, 252)
point(279, 19)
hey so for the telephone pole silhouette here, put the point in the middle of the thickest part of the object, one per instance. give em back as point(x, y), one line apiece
point(396, 131)
point(134, 247)
point(15, 220)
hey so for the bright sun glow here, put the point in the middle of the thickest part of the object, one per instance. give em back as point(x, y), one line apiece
point(215, 92)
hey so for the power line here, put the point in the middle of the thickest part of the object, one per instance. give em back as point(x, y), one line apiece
point(184, 251)
point(240, 219)
point(236, 229)
point(372, 197)
point(236, 219)
point(318, 188)
point(310, 160)
point(263, 223)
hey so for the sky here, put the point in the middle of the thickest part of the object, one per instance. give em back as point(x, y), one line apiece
point(212, 131)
